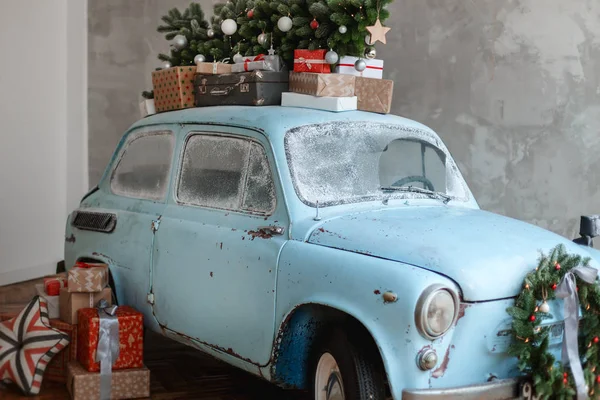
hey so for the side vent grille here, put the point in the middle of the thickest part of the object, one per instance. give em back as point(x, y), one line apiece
point(94, 221)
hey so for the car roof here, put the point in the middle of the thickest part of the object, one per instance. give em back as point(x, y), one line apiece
point(272, 120)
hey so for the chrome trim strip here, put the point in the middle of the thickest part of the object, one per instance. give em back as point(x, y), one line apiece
point(497, 390)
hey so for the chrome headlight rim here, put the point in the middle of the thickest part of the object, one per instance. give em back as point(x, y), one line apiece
point(423, 305)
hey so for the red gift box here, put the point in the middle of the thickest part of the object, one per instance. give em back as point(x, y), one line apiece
point(56, 371)
point(131, 338)
point(311, 61)
point(53, 285)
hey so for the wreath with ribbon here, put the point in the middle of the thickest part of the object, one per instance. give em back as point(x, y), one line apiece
point(568, 277)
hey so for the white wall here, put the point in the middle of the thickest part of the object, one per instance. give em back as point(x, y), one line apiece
point(43, 131)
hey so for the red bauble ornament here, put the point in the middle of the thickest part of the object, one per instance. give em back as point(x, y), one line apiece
point(554, 286)
point(250, 14)
point(557, 266)
point(532, 318)
point(596, 339)
point(565, 381)
point(565, 375)
point(598, 379)
point(314, 24)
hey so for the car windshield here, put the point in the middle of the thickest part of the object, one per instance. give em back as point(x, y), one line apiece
point(351, 162)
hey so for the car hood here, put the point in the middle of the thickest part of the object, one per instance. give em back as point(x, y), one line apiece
point(486, 254)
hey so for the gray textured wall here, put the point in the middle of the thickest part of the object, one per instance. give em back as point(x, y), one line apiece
point(512, 86)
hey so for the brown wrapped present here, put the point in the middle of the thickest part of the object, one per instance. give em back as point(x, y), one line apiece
point(374, 95)
point(56, 371)
point(322, 85)
point(213, 68)
point(86, 277)
point(126, 383)
point(173, 88)
point(69, 303)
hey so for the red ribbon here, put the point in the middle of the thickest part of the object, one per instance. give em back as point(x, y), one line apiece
point(81, 264)
point(368, 66)
point(259, 57)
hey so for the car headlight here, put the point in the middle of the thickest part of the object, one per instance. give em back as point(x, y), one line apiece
point(436, 311)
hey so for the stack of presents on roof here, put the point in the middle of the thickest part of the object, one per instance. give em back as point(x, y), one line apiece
point(72, 333)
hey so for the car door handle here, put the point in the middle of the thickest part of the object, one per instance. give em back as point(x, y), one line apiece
point(273, 230)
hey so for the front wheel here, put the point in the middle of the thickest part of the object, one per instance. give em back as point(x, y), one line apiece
point(343, 370)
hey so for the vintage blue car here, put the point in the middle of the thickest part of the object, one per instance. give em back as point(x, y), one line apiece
point(341, 253)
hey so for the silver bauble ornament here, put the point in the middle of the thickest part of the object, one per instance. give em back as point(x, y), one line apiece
point(342, 29)
point(199, 58)
point(360, 65)
point(238, 58)
point(284, 24)
point(166, 65)
point(368, 39)
point(544, 307)
point(370, 53)
point(179, 42)
point(262, 39)
point(331, 57)
point(210, 33)
point(229, 26)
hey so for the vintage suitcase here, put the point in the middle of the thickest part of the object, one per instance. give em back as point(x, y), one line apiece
point(256, 88)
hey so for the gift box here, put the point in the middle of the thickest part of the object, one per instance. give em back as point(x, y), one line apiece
point(311, 61)
point(88, 277)
point(319, 103)
point(333, 85)
point(53, 284)
point(374, 67)
point(213, 68)
point(374, 95)
point(147, 108)
point(256, 88)
point(131, 338)
point(56, 371)
point(173, 88)
point(259, 63)
point(125, 384)
point(52, 301)
point(70, 303)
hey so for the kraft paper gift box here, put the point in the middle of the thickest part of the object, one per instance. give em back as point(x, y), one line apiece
point(333, 85)
point(374, 67)
point(259, 63)
point(125, 383)
point(213, 68)
point(374, 95)
point(70, 303)
point(131, 338)
point(256, 88)
point(319, 103)
point(173, 88)
point(86, 277)
point(56, 371)
point(311, 61)
point(52, 301)
point(147, 108)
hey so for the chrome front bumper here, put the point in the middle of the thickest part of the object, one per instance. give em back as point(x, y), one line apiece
point(497, 390)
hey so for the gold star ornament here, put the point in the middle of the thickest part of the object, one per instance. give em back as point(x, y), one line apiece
point(378, 32)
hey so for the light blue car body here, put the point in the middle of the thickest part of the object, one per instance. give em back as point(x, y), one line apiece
point(254, 301)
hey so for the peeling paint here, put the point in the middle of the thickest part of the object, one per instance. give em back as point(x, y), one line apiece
point(70, 239)
point(441, 370)
point(260, 234)
point(376, 292)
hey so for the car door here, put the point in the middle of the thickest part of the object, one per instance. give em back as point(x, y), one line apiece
point(215, 269)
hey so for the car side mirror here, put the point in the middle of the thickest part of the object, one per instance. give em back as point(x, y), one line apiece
point(589, 228)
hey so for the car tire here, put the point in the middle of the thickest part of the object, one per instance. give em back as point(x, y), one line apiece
point(338, 362)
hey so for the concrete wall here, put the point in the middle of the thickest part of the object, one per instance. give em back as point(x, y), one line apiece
point(512, 86)
point(43, 152)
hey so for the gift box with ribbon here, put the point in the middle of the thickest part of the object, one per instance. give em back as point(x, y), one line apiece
point(124, 384)
point(88, 277)
point(69, 303)
point(260, 62)
point(53, 284)
point(173, 88)
point(51, 301)
point(56, 371)
point(333, 85)
point(311, 61)
point(213, 68)
point(374, 67)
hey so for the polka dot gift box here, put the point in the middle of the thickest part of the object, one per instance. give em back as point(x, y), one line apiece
point(173, 88)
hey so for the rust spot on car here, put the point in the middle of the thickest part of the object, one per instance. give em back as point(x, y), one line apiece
point(376, 292)
point(441, 370)
point(321, 229)
point(233, 229)
point(260, 234)
point(462, 308)
point(221, 245)
point(70, 239)
point(211, 274)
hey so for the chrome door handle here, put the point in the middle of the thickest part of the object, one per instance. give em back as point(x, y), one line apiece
point(274, 230)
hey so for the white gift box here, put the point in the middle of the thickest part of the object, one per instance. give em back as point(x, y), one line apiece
point(52, 301)
point(289, 99)
point(259, 63)
point(147, 108)
point(374, 67)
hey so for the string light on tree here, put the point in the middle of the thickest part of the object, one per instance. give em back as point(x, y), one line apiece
point(229, 27)
point(314, 24)
point(284, 24)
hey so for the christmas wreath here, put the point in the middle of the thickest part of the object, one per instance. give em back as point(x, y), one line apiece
point(570, 277)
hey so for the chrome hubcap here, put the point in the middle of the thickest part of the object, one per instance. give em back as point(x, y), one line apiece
point(328, 380)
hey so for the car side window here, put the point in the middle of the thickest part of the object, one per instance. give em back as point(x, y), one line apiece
point(227, 173)
point(144, 167)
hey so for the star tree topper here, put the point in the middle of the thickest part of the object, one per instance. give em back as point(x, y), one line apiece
point(378, 32)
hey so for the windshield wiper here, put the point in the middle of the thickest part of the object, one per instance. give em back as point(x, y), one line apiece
point(413, 189)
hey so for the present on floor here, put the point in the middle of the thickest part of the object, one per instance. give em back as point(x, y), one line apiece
point(53, 284)
point(311, 61)
point(51, 301)
point(320, 103)
point(70, 303)
point(374, 68)
point(256, 88)
point(333, 85)
point(213, 68)
point(374, 95)
point(173, 88)
point(56, 371)
point(88, 277)
point(260, 62)
point(124, 384)
point(129, 334)
point(147, 108)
